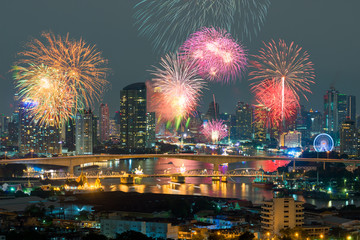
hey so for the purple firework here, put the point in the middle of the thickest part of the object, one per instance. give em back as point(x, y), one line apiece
point(219, 57)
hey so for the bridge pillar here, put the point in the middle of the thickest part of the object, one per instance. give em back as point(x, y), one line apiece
point(177, 179)
point(71, 170)
point(223, 179)
point(129, 179)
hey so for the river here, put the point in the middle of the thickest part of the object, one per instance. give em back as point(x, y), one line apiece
point(236, 187)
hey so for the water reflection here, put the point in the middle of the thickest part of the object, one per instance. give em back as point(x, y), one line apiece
point(236, 187)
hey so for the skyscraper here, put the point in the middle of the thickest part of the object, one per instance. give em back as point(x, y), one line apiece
point(35, 138)
point(104, 122)
point(133, 117)
point(260, 123)
point(70, 135)
point(213, 111)
point(84, 132)
point(244, 119)
point(351, 101)
point(348, 138)
point(150, 129)
point(331, 112)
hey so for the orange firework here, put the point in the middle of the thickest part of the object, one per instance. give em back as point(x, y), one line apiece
point(45, 87)
point(77, 75)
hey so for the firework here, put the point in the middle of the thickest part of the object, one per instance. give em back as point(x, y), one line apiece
point(269, 95)
point(168, 23)
point(176, 88)
point(214, 130)
point(288, 67)
point(284, 63)
point(76, 74)
point(45, 87)
point(218, 56)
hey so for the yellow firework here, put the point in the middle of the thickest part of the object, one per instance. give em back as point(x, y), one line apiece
point(76, 75)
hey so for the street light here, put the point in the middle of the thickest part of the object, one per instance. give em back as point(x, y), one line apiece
point(321, 236)
point(348, 237)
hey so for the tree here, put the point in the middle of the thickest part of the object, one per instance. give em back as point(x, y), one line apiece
point(246, 236)
point(94, 236)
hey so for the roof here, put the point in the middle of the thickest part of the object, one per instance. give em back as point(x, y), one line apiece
point(337, 220)
point(135, 86)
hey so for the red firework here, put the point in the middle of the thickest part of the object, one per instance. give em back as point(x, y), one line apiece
point(269, 94)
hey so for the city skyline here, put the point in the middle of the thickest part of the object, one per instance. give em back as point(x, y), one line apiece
point(123, 47)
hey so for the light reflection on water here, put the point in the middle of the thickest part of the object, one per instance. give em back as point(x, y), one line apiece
point(236, 187)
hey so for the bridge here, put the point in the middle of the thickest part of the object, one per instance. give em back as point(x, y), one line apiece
point(241, 172)
point(216, 160)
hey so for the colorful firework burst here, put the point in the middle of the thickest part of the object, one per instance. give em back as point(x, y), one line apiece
point(46, 87)
point(214, 130)
point(285, 64)
point(269, 95)
point(76, 69)
point(176, 89)
point(218, 56)
point(168, 23)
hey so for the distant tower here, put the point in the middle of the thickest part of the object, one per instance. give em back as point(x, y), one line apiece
point(348, 138)
point(104, 122)
point(260, 123)
point(133, 117)
point(213, 111)
point(331, 115)
point(70, 135)
point(84, 133)
point(244, 119)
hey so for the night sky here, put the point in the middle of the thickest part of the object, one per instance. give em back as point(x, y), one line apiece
point(328, 29)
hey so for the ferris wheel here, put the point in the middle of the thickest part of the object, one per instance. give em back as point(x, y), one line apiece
point(323, 143)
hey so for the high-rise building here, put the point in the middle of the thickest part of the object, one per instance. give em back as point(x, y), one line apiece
point(133, 117)
point(84, 132)
point(114, 129)
point(104, 122)
point(244, 120)
point(260, 123)
point(303, 123)
point(331, 112)
point(290, 139)
point(70, 135)
point(35, 138)
point(4, 121)
point(213, 111)
point(281, 212)
point(351, 101)
point(338, 108)
point(150, 129)
point(317, 126)
point(348, 138)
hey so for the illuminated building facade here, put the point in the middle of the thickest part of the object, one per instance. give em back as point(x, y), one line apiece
point(348, 138)
point(280, 213)
point(35, 138)
point(104, 122)
point(150, 129)
point(133, 116)
point(84, 133)
point(290, 139)
point(244, 119)
point(260, 123)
